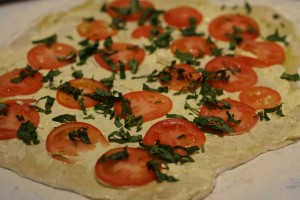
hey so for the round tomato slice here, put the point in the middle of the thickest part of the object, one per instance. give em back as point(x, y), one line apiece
point(88, 86)
point(175, 132)
point(28, 85)
point(95, 30)
point(131, 171)
point(241, 75)
point(68, 140)
point(267, 53)
point(113, 7)
point(180, 17)
point(122, 52)
point(9, 122)
point(245, 27)
point(146, 31)
point(260, 97)
point(184, 78)
point(195, 45)
point(51, 57)
point(240, 111)
point(150, 105)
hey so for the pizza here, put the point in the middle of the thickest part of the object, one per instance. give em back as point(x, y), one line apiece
point(130, 99)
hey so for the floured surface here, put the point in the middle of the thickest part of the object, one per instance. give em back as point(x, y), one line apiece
point(233, 151)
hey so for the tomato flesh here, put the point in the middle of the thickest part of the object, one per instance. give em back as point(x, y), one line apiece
point(44, 57)
point(267, 53)
point(121, 4)
point(150, 105)
point(95, 30)
point(179, 17)
point(239, 110)
point(131, 171)
point(29, 85)
point(122, 52)
point(60, 147)
point(242, 77)
point(221, 26)
point(175, 132)
point(189, 81)
point(260, 97)
point(9, 123)
point(197, 46)
point(88, 86)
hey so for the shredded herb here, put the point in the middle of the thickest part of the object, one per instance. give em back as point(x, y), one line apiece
point(162, 41)
point(77, 74)
point(159, 89)
point(263, 115)
point(275, 37)
point(90, 117)
point(187, 58)
point(64, 118)
point(87, 52)
point(20, 118)
point(248, 7)
point(290, 77)
point(70, 57)
point(123, 136)
point(231, 118)
point(214, 123)
point(154, 165)
point(120, 155)
point(81, 134)
point(109, 82)
point(48, 41)
point(27, 133)
point(50, 77)
point(48, 105)
point(175, 116)
point(23, 74)
point(235, 37)
point(3, 110)
point(191, 30)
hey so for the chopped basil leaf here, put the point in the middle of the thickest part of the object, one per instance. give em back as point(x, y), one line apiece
point(235, 37)
point(108, 43)
point(3, 110)
point(134, 121)
point(50, 76)
point(290, 77)
point(81, 134)
point(275, 37)
point(90, 117)
point(231, 118)
point(84, 42)
point(162, 41)
point(87, 52)
point(214, 123)
point(214, 103)
point(123, 136)
point(190, 108)
point(154, 165)
point(248, 7)
point(48, 40)
point(160, 89)
point(175, 116)
point(122, 70)
point(133, 65)
point(120, 155)
point(103, 8)
point(109, 82)
point(64, 118)
point(27, 133)
point(263, 115)
point(20, 118)
point(82, 106)
point(191, 30)
point(23, 74)
point(187, 58)
point(70, 57)
point(77, 74)
point(48, 105)
point(89, 19)
point(118, 23)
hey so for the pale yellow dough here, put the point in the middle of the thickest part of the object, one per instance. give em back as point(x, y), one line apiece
point(196, 180)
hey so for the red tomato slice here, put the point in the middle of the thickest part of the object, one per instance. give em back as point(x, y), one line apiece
point(131, 171)
point(189, 81)
point(145, 31)
point(29, 85)
point(9, 123)
point(242, 78)
point(179, 17)
point(267, 53)
point(223, 25)
point(122, 52)
point(42, 56)
point(175, 132)
point(260, 97)
point(195, 45)
point(150, 105)
point(61, 147)
point(241, 111)
point(95, 30)
point(121, 4)
point(88, 86)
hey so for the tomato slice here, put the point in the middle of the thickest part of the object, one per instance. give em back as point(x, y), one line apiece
point(52, 57)
point(223, 25)
point(242, 77)
point(189, 78)
point(88, 86)
point(260, 97)
point(61, 147)
point(29, 85)
point(95, 30)
point(145, 31)
point(131, 171)
point(195, 45)
point(180, 16)
point(175, 132)
point(239, 110)
point(122, 4)
point(267, 53)
point(150, 105)
point(9, 123)
point(121, 52)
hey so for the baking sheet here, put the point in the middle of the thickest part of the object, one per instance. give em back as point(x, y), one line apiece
point(274, 175)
